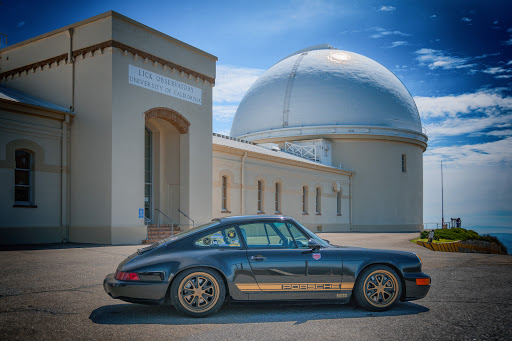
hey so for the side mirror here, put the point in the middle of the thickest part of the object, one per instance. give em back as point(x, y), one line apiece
point(313, 244)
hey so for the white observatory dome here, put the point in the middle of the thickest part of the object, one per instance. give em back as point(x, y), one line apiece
point(322, 90)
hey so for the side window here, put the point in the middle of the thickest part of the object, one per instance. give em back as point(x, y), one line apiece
point(223, 238)
point(271, 235)
point(300, 238)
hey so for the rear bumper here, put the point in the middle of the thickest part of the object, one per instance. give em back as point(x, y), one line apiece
point(414, 291)
point(135, 292)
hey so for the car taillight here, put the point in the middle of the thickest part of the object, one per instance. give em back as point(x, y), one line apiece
point(422, 281)
point(127, 276)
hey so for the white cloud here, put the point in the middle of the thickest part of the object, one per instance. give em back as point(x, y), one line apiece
point(466, 19)
point(382, 32)
point(505, 132)
point(495, 70)
point(433, 16)
point(224, 112)
point(482, 154)
point(387, 8)
point(509, 62)
point(448, 115)
point(232, 82)
point(509, 41)
point(503, 76)
point(20, 24)
point(437, 59)
point(399, 43)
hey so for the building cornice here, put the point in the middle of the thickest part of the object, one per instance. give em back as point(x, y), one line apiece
point(338, 132)
point(101, 47)
point(278, 159)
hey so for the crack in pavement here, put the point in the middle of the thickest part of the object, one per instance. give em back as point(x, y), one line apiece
point(37, 310)
point(79, 289)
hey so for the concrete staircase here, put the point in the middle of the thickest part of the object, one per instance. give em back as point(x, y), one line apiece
point(156, 233)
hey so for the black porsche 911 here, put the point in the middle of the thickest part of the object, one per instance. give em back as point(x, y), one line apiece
point(263, 258)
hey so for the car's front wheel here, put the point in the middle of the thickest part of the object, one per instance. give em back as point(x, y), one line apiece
point(198, 292)
point(377, 288)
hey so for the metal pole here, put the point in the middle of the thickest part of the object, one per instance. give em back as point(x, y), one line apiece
point(442, 197)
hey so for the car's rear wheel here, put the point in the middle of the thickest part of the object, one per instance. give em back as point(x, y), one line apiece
point(198, 292)
point(378, 288)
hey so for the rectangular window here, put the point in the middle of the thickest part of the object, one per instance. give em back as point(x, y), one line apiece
point(260, 196)
point(22, 177)
point(224, 193)
point(318, 203)
point(404, 163)
point(304, 200)
point(278, 209)
point(338, 202)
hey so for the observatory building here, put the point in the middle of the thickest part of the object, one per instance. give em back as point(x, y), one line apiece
point(106, 128)
point(347, 112)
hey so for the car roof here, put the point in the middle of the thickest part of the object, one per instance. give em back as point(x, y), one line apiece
point(249, 218)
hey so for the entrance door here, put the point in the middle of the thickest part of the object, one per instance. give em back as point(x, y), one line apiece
point(148, 176)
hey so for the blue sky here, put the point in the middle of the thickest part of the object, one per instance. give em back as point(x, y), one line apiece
point(455, 57)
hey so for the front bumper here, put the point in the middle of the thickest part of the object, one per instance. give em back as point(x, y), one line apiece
point(414, 291)
point(135, 291)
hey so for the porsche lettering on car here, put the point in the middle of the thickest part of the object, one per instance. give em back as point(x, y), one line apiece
point(263, 258)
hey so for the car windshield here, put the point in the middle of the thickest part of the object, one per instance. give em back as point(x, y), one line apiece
point(187, 232)
point(320, 241)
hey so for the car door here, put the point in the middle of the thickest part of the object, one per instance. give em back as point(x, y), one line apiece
point(283, 266)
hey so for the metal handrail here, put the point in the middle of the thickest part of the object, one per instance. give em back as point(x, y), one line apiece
point(187, 217)
point(165, 215)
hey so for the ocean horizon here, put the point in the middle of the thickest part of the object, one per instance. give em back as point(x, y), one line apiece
point(504, 234)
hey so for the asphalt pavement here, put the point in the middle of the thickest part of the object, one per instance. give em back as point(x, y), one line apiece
point(55, 292)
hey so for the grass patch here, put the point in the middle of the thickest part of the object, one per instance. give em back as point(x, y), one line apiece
point(452, 235)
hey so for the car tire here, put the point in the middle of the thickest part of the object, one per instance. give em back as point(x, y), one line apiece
point(198, 292)
point(378, 288)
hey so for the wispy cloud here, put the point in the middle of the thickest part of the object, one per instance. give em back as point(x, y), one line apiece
point(462, 104)
point(437, 59)
point(496, 70)
point(382, 32)
point(465, 114)
point(399, 43)
point(509, 41)
point(20, 24)
point(481, 154)
point(232, 82)
point(433, 16)
point(466, 19)
point(387, 8)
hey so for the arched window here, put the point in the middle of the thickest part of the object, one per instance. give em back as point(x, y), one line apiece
point(23, 177)
point(224, 193)
point(318, 201)
point(304, 199)
point(260, 196)
point(338, 202)
point(278, 198)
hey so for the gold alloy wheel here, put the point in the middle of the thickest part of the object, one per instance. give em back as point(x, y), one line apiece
point(380, 288)
point(198, 292)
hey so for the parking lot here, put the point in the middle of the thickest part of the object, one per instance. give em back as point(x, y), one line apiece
point(55, 292)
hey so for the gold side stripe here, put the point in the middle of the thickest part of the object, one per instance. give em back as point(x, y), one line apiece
point(296, 287)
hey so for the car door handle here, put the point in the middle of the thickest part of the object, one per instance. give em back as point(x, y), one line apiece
point(258, 258)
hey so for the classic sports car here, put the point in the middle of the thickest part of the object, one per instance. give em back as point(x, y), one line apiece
point(261, 258)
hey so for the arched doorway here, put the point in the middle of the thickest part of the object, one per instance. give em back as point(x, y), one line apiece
point(164, 140)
